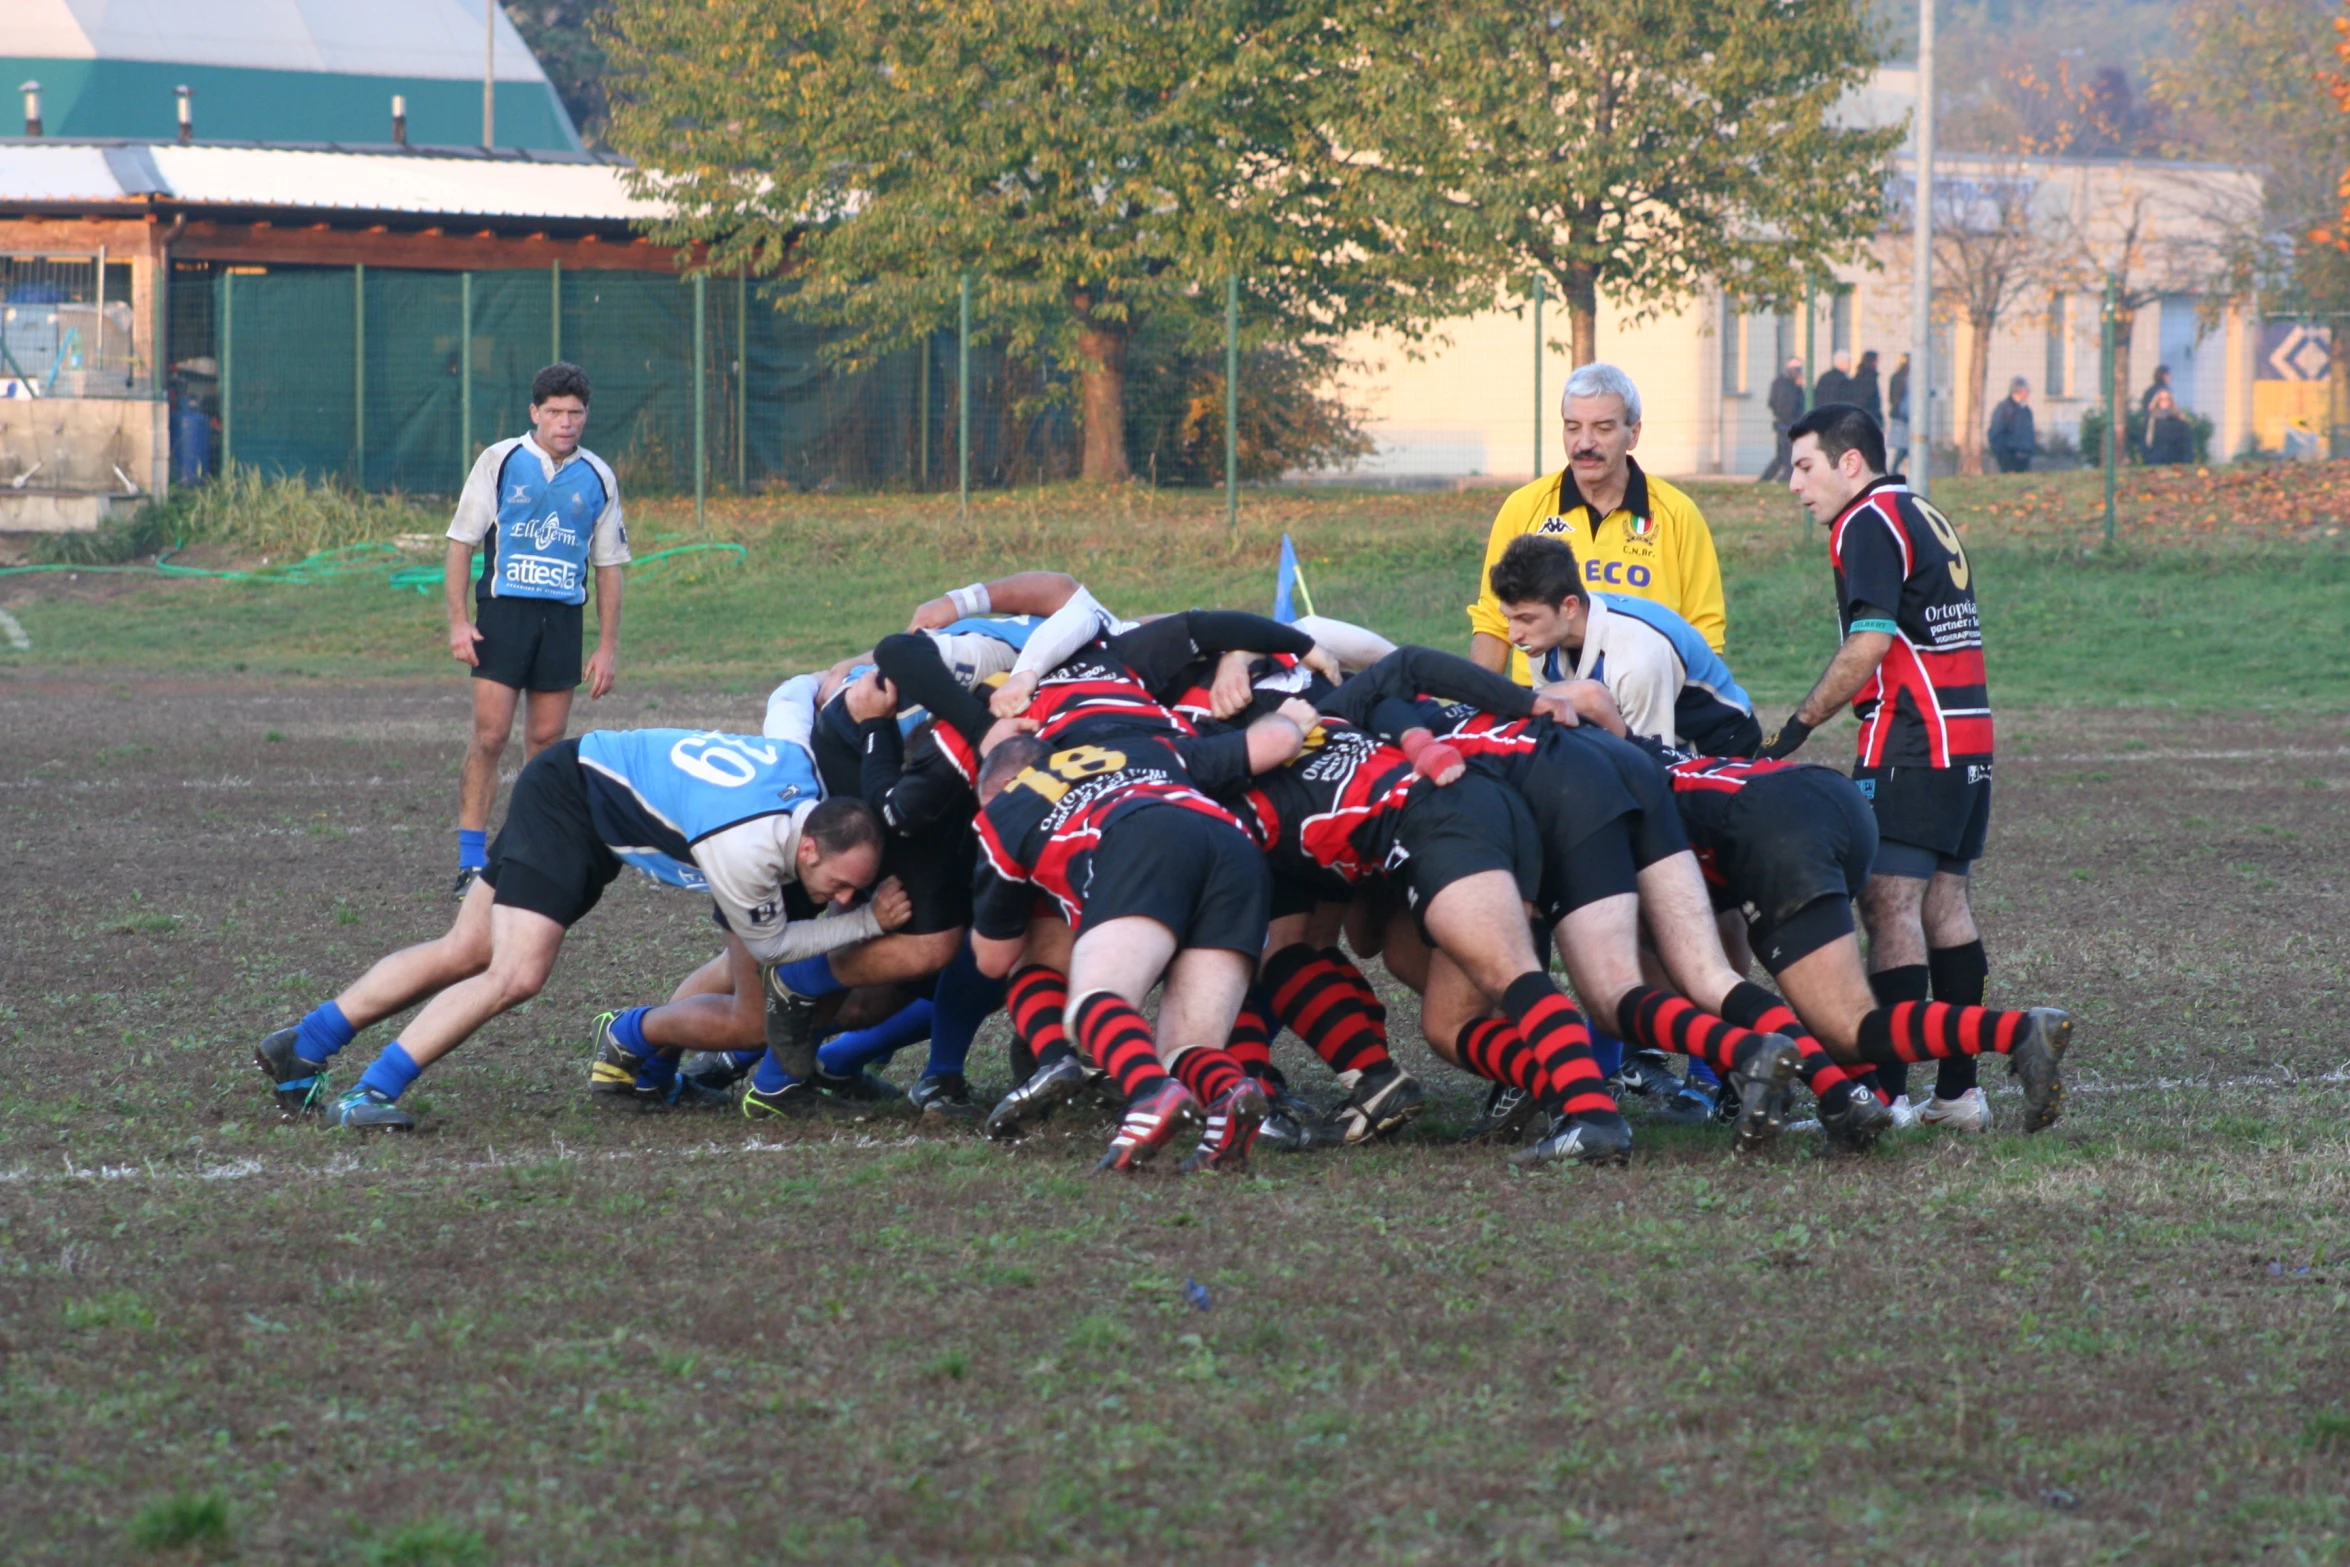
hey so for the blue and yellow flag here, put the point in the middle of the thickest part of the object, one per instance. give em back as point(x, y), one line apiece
point(1289, 590)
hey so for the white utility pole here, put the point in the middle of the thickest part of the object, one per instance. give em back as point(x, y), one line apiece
point(489, 72)
point(1921, 267)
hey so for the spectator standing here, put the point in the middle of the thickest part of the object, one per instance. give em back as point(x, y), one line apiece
point(2169, 437)
point(2013, 438)
point(545, 512)
point(2158, 387)
point(1835, 383)
point(1865, 395)
point(1787, 406)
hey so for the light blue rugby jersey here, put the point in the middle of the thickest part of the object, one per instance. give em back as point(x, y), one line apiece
point(655, 793)
point(539, 547)
point(1711, 705)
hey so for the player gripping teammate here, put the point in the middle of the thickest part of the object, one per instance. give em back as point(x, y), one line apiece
point(545, 512)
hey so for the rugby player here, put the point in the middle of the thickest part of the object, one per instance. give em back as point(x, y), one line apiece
point(1911, 666)
point(545, 512)
point(735, 815)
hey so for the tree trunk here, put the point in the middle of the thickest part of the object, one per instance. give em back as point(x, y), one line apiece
point(1101, 400)
point(1582, 304)
point(1974, 394)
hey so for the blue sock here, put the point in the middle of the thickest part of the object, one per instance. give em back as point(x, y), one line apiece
point(771, 1078)
point(741, 1061)
point(845, 1055)
point(473, 849)
point(392, 1072)
point(1607, 1050)
point(654, 1070)
point(966, 998)
point(323, 1031)
point(810, 977)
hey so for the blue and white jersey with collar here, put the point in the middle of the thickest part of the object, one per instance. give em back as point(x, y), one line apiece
point(541, 525)
point(1665, 677)
point(707, 811)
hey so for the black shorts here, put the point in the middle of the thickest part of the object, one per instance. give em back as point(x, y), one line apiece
point(936, 867)
point(1203, 879)
point(1473, 825)
point(527, 644)
point(547, 857)
point(1797, 849)
point(1303, 891)
point(1605, 812)
point(1602, 864)
point(1928, 818)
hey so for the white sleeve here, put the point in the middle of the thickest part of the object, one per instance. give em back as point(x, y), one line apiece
point(1063, 632)
point(1355, 647)
point(791, 712)
point(477, 503)
point(1644, 676)
point(813, 938)
point(608, 545)
point(746, 868)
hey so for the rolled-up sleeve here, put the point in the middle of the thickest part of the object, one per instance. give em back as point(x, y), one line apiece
point(608, 545)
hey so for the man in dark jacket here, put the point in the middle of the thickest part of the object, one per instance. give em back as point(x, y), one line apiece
point(1835, 383)
point(1864, 394)
point(1787, 406)
point(2013, 439)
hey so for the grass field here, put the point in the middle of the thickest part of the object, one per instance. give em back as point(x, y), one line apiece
point(538, 1333)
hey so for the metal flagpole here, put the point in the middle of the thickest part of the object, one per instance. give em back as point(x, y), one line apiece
point(1921, 268)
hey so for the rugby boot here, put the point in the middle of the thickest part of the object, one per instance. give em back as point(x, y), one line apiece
point(1691, 1103)
point(1027, 1107)
point(1378, 1100)
point(1764, 1091)
point(300, 1087)
point(465, 880)
point(694, 1093)
point(1646, 1074)
point(1855, 1125)
point(791, 1027)
point(2037, 1062)
point(1292, 1124)
point(1508, 1111)
point(363, 1109)
point(1587, 1138)
point(860, 1087)
point(1232, 1128)
point(945, 1097)
point(717, 1071)
point(1969, 1113)
point(796, 1102)
point(1152, 1121)
point(612, 1070)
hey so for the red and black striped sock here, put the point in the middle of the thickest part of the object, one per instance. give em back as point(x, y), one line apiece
point(1750, 1006)
point(1936, 1031)
point(1659, 1020)
point(1491, 1048)
point(1892, 986)
point(1036, 998)
point(1561, 1042)
point(1960, 975)
point(1208, 1072)
point(1311, 995)
point(1118, 1039)
point(1251, 1042)
point(1359, 985)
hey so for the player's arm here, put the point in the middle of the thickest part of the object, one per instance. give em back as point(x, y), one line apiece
point(1347, 645)
point(1594, 704)
point(603, 665)
point(462, 632)
point(1026, 593)
point(910, 663)
point(1079, 621)
point(1864, 648)
point(746, 867)
point(1409, 671)
point(999, 919)
point(476, 515)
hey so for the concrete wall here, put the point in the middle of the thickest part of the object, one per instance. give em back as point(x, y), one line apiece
point(58, 457)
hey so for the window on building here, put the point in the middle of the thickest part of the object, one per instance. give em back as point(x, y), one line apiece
point(1840, 322)
point(1733, 333)
point(2056, 376)
point(1783, 340)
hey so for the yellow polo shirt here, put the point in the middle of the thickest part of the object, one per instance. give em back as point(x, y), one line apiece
point(1654, 546)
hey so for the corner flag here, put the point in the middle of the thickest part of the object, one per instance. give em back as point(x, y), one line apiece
point(1289, 590)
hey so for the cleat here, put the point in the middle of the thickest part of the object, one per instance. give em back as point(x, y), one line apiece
point(719, 1070)
point(363, 1109)
point(1291, 1125)
point(612, 1071)
point(1969, 1113)
point(465, 880)
point(1028, 1106)
point(1379, 1099)
point(796, 1102)
point(860, 1087)
point(1154, 1120)
point(946, 1097)
point(1647, 1074)
point(2036, 1062)
point(1232, 1128)
point(791, 1028)
point(1692, 1104)
point(1586, 1138)
point(693, 1093)
point(1905, 1114)
point(1764, 1091)
point(1508, 1111)
point(300, 1087)
point(1855, 1125)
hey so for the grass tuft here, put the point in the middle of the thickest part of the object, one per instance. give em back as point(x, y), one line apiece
point(181, 1522)
point(434, 1542)
point(2328, 1431)
point(249, 512)
point(114, 1309)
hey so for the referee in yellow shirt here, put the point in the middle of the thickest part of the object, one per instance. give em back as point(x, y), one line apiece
point(1633, 534)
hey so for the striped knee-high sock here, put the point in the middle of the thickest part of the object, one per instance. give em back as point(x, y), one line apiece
point(1209, 1073)
point(1911, 1031)
point(1660, 1020)
point(1036, 997)
point(1251, 1041)
point(1750, 1006)
point(1313, 997)
point(1555, 1031)
point(1118, 1038)
point(1491, 1048)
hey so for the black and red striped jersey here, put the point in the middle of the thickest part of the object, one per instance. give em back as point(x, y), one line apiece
point(1928, 704)
point(1334, 808)
point(1097, 692)
point(1704, 787)
point(1040, 830)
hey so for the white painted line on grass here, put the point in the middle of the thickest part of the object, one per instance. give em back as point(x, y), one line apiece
point(2269, 754)
point(13, 629)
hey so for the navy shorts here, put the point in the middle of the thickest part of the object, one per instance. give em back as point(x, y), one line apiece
point(547, 857)
point(1929, 819)
point(528, 644)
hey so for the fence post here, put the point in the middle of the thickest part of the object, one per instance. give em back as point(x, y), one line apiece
point(922, 420)
point(1811, 342)
point(2113, 434)
point(742, 382)
point(963, 407)
point(465, 374)
point(555, 312)
point(228, 369)
point(1538, 292)
point(359, 375)
point(1232, 401)
point(701, 392)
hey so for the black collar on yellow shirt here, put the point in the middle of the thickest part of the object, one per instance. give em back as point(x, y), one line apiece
point(1635, 494)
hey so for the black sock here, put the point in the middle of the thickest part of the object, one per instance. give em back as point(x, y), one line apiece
point(1960, 975)
point(1893, 986)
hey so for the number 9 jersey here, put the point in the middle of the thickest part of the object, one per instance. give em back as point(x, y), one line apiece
point(1928, 704)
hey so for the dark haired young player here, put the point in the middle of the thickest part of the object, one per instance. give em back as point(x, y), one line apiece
point(545, 512)
point(1911, 666)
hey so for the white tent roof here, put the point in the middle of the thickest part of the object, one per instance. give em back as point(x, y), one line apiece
point(440, 38)
point(58, 171)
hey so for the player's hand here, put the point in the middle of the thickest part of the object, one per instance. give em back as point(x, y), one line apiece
point(1011, 699)
point(891, 907)
point(603, 668)
point(1232, 689)
point(1004, 729)
point(934, 614)
point(1596, 704)
point(871, 697)
point(1324, 663)
point(1302, 713)
point(1553, 705)
point(462, 635)
point(1785, 740)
